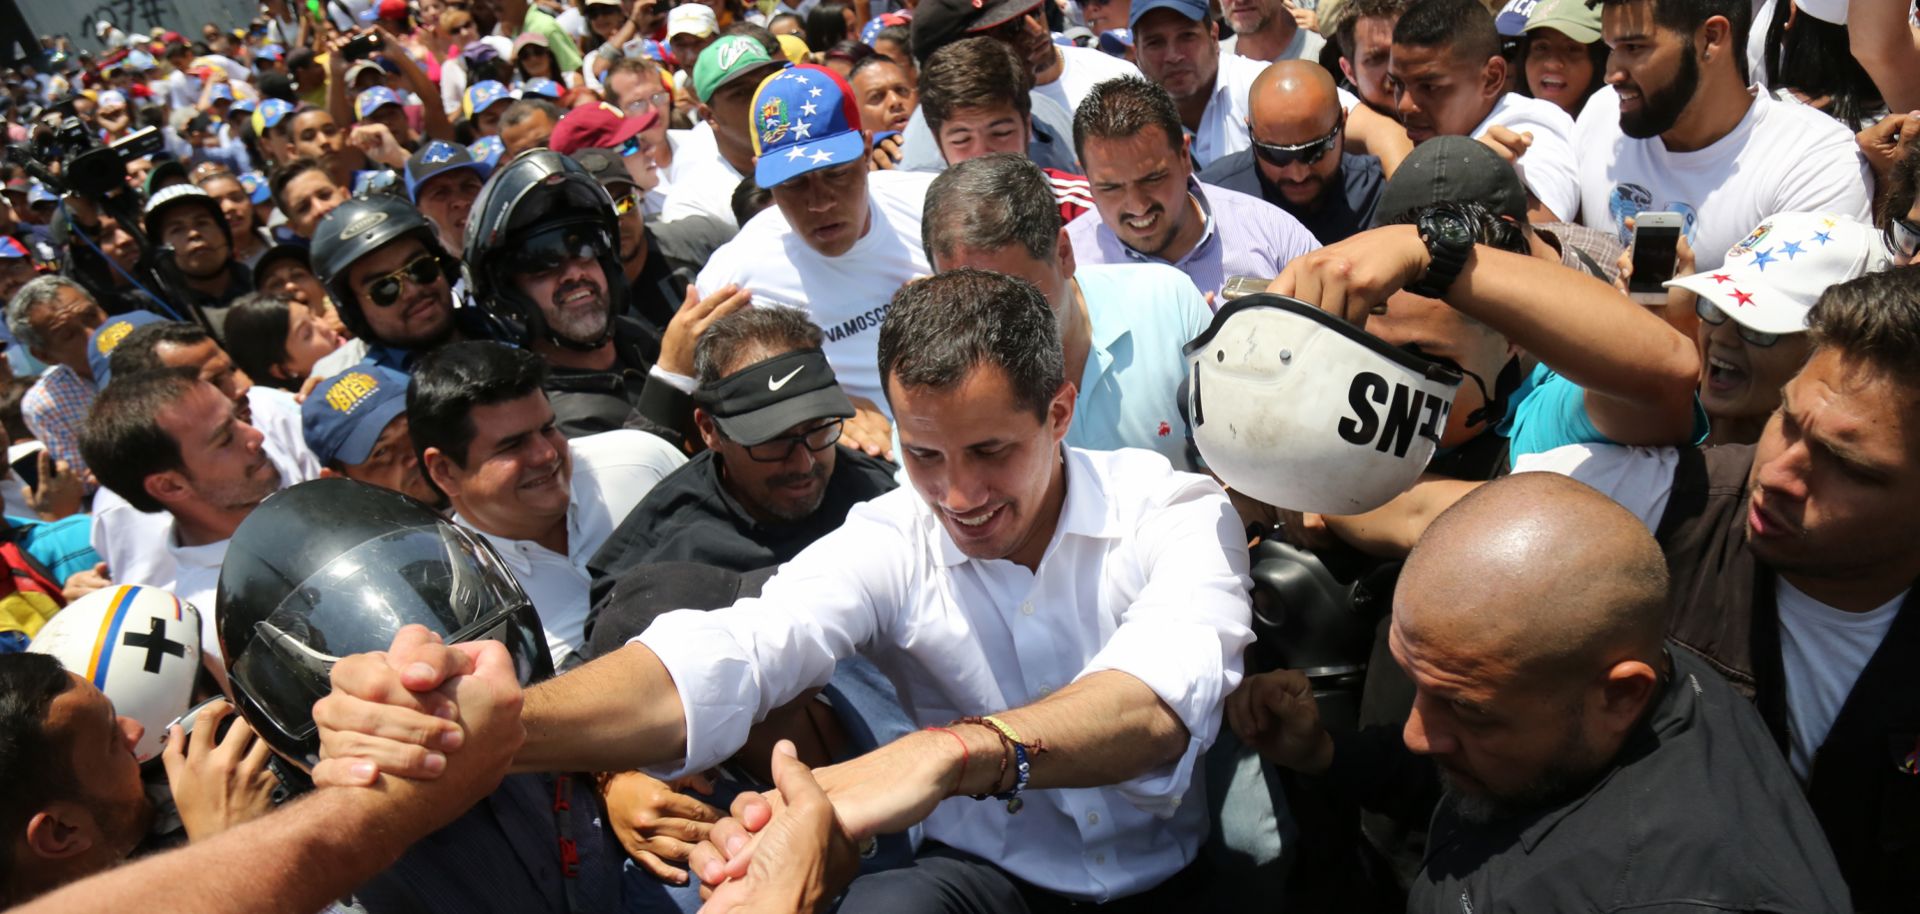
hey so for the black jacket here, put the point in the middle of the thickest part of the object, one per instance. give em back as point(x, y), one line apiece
point(589, 402)
point(1865, 781)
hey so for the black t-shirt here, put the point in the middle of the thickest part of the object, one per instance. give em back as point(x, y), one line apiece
point(690, 517)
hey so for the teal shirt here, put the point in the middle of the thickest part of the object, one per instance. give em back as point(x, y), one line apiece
point(61, 546)
point(1130, 393)
point(1549, 411)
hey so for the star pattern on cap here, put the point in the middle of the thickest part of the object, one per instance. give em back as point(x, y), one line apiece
point(1823, 237)
point(1827, 223)
point(1743, 299)
point(797, 152)
point(801, 78)
point(813, 92)
point(803, 130)
point(1722, 277)
point(1790, 249)
point(1762, 258)
point(809, 109)
point(821, 155)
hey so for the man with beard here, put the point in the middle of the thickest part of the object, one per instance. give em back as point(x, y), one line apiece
point(443, 180)
point(1265, 30)
point(772, 479)
point(169, 442)
point(1176, 43)
point(1365, 36)
point(1299, 160)
point(487, 439)
point(383, 266)
point(1150, 208)
point(1583, 764)
point(1678, 130)
point(545, 265)
point(186, 220)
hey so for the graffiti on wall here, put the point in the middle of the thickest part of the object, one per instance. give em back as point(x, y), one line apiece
point(129, 16)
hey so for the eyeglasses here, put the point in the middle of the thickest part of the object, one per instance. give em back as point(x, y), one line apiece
point(554, 248)
point(656, 100)
point(1304, 153)
point(626, 203)
point(1711, 313)
point(634, 146)
point(1906, 238)
point(778, 450)
point(422, 271)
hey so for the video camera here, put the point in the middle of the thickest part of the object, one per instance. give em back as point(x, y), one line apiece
point(87, 167)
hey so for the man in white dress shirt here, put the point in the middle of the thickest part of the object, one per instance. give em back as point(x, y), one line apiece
point(1177, 45)
point(488, 440)
point(1101, 597)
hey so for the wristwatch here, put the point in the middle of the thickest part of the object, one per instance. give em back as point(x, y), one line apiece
point(1449, 235)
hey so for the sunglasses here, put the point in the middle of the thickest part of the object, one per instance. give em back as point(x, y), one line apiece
point(1711, 313)
point(626, 203)
point(422, 271)
point(778, 450)
point(1304, 153)
point(544, 252)
point(634, 146)
point(1906, 238)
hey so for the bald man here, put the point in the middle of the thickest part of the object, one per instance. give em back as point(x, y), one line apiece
point(1299, 160)
point(1566, 758)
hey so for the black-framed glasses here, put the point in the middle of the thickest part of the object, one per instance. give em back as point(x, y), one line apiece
point(421, 271)
point(1906, 238)
point(777, 450)
point(544, 252)
point(1711, 313)
point(1304, 153)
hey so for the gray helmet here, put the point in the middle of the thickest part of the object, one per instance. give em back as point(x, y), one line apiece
point(539, 203)
point(357, 228)
point(334, 567)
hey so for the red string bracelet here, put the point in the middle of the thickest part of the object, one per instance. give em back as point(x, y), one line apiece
point(965, 755)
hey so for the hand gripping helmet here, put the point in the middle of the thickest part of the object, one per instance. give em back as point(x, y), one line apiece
point(357, 228)
point(335, 567)
point(533, 214)
point(139, 645)
point(1302, 410)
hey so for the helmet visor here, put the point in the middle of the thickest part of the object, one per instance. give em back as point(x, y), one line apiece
point(440, 577)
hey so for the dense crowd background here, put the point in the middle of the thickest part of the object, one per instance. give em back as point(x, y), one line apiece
point(964, 455)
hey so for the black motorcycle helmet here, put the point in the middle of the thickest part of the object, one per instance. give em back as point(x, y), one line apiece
point(357, 228)
point(531, 208)
point(335, 567)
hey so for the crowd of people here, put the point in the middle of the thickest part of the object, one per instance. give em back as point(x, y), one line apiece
point(964, 456)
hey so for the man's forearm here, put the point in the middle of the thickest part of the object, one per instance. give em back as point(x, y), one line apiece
point(1105, 729)
point(297, 859)
point(619, 712)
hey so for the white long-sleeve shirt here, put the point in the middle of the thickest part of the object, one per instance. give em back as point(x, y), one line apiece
point(1146, 574)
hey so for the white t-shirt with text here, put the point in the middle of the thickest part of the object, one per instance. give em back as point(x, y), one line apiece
point(1082, 69)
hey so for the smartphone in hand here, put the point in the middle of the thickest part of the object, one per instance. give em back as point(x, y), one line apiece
point(1656, 246)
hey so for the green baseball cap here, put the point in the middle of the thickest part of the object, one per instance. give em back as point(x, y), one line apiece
point(1572, 18)
point(724, 61)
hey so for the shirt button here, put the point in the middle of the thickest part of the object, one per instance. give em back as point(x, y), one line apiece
point(1026, 609)
point(1045, 691)
point(1093, 818)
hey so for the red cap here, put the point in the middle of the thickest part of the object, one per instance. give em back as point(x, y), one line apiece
point(393, 9)
point(598, 126)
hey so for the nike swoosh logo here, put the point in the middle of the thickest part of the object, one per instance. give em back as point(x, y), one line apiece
point(776, 385)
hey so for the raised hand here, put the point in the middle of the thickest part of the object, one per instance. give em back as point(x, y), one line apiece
point(1276, 714)
point(217, 783)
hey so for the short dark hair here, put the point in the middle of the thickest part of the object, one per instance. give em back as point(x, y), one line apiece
point(284, 175)
point(136, 352)
point(449, 382)
point(1351, 12)
point(1687, 16)
point(901, 35)
point(122, 441)
point(256, 327)
point(1462, 26)
point(523, 109)
point(782, 17)
point(868, 61)
point(988, 203)
point(939, 329)
point(35, 764)
point(759, 33)
point(1120, 109)
point(977, 72)
point(778, 329)
point(1874, 319)
point(748, 200)
point(826, 25)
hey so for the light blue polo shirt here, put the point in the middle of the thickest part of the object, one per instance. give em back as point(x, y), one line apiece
point(1141, 316)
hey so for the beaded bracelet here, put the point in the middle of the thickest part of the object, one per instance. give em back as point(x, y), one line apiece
point(1023, 766)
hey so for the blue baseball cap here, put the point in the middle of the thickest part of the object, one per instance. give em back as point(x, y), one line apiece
point(1195, 10)
point(541, 86)
point(804, 119)
point(1116, 41)
point(12, 249)
point(344, 416)
point(373, 100)
point(270, 52)
point(258, 191)
point(437, 158)
point(220, 92)
point(1511, 21)
point(243, 105)
point(269, 114)
point(37, 193)
point(102, 341)
point(488, 149)
point(482, 96)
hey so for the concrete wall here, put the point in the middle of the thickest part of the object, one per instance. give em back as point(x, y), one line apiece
point(75, 18)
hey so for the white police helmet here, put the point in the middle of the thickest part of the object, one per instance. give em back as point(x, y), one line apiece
point(1304, 411)
point(139, 645)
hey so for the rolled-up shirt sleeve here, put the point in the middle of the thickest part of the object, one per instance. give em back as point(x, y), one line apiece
point(734, 666)
point(1184, 635)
